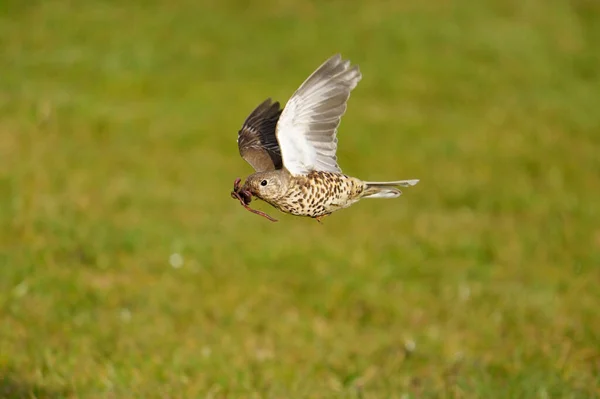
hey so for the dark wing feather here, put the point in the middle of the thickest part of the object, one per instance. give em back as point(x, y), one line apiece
point(257, 141)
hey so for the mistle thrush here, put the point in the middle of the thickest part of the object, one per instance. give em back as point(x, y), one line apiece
point(294, 150)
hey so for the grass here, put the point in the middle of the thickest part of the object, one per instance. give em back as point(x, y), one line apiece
point(117, 150)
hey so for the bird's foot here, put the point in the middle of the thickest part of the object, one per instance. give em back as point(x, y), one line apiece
point(320, 218)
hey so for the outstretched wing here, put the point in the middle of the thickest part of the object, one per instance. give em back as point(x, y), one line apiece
point(256, 139)
point(307, 128)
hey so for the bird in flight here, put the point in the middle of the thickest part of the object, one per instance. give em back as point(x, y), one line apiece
point(293, 150)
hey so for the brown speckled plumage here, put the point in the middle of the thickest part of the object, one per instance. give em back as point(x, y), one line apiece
point(319, 194)
point(294, 151)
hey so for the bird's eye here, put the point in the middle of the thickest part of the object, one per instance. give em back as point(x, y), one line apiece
point(263, 183)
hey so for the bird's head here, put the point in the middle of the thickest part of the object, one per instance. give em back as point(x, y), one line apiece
point(267, 186)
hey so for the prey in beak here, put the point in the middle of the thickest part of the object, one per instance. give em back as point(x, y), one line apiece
point(245, 197)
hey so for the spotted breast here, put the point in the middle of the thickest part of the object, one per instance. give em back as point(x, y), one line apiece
point(320, 193)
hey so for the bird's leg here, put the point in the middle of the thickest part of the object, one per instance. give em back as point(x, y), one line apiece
point(320, 218)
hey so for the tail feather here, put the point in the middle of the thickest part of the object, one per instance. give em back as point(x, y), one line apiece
point(386, 189)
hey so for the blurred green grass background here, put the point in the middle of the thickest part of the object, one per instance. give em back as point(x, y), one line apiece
point(118, 125)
